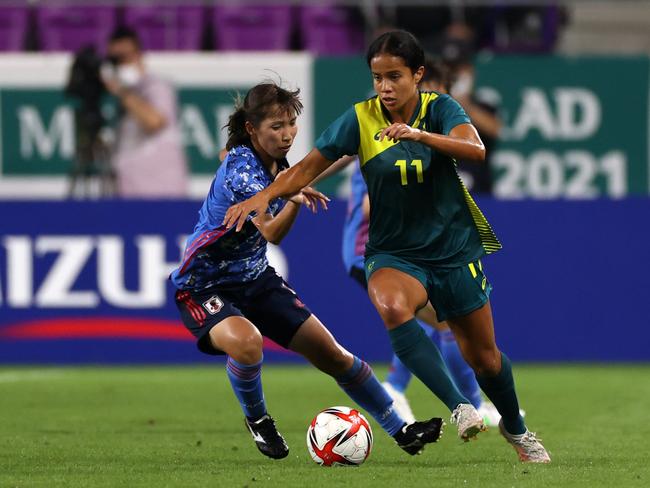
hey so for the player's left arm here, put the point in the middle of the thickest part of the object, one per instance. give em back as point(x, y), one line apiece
point(450, 131)
point(274, 229)
point(463, 141)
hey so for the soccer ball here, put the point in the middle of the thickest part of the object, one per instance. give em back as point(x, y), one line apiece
point(339, 436)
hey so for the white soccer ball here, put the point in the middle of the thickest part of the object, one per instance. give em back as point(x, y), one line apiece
point(339, 436)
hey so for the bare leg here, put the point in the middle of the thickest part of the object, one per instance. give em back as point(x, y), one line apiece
point(317, 344)
point(239, 339)
point(353, 375)
point(396, 296)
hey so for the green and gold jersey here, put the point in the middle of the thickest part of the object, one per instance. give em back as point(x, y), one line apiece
point(419, 207)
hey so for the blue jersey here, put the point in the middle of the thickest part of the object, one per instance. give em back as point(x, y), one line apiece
point(355, 230)
point(213, 254)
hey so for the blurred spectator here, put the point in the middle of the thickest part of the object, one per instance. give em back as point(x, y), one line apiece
point(525, 28)
point(148, 156)
point(457, 51)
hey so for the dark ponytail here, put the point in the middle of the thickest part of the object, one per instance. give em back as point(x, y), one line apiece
point(237, 134)
point(261, 101)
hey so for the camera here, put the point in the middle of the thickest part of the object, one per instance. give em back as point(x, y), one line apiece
point(91, 156)
point(85, 84)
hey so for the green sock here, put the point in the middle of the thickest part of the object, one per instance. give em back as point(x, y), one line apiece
point(500, 389)
point(420, 355)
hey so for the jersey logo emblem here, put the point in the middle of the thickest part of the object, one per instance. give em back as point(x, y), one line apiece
point(376, 136)
point(371, 265)
point(213, 305)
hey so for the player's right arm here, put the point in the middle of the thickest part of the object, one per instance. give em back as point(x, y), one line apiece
point(339, 139)
point(286, 184)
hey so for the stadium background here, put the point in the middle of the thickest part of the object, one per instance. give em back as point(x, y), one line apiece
point(83, 278)
point(570, 204)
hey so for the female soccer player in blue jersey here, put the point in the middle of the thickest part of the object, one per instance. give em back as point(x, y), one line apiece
point(229, 296)
point(426, 233)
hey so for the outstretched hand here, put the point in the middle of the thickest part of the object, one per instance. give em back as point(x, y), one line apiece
point(400, 132)
point(311, 199)
point(237, 214)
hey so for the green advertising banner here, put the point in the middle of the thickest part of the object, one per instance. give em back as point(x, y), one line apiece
point(572, 127)
point(575, 128)
point(38, 128)
point(38, 131)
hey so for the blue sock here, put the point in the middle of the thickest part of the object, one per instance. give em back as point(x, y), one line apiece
point(246, 381)
point(360, 384)
point(399, 375)
point(460, 371)
point(501, 390)
point(423, 359)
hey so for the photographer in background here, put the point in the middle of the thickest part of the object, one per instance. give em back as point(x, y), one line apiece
point(457, 52)
point(148, 157)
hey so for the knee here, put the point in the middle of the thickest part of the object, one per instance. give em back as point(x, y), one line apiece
point(486, 362)
point(248, 348)
point(393, 310)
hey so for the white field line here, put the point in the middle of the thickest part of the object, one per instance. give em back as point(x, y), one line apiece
point(30, 375)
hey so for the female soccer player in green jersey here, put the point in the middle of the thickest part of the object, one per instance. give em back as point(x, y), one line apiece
point(427, 234)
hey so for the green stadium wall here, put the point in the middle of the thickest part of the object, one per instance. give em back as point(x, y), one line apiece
point(573, 127)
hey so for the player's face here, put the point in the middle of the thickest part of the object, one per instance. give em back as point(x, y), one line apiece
point(393, 81)
point(276, 133)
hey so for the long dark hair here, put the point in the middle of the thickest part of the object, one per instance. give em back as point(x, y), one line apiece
point(256, 106)
point(398, 43)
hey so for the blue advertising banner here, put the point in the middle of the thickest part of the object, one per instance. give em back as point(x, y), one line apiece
point(86, 282)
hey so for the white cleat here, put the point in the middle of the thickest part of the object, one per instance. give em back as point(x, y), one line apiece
point(491, 415)
point(528, 447)
point(400, 403)
point(468, 420)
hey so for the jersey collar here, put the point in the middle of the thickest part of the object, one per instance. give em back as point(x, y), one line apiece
point(282, 163)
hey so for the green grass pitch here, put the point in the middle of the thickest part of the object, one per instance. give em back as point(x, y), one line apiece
point(181, 426)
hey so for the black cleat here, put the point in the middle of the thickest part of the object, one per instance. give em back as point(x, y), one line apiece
point(267, 438)
point(413, 437)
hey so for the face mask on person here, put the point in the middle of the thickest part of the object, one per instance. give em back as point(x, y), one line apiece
point(129, 75)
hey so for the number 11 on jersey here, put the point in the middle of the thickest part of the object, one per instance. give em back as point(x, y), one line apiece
point(401, 164)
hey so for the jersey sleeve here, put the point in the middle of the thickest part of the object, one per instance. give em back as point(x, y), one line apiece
point(446, 114)
point(242, 180)
point(341, 137)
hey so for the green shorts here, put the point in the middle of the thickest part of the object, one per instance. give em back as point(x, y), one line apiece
point(453, 292)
